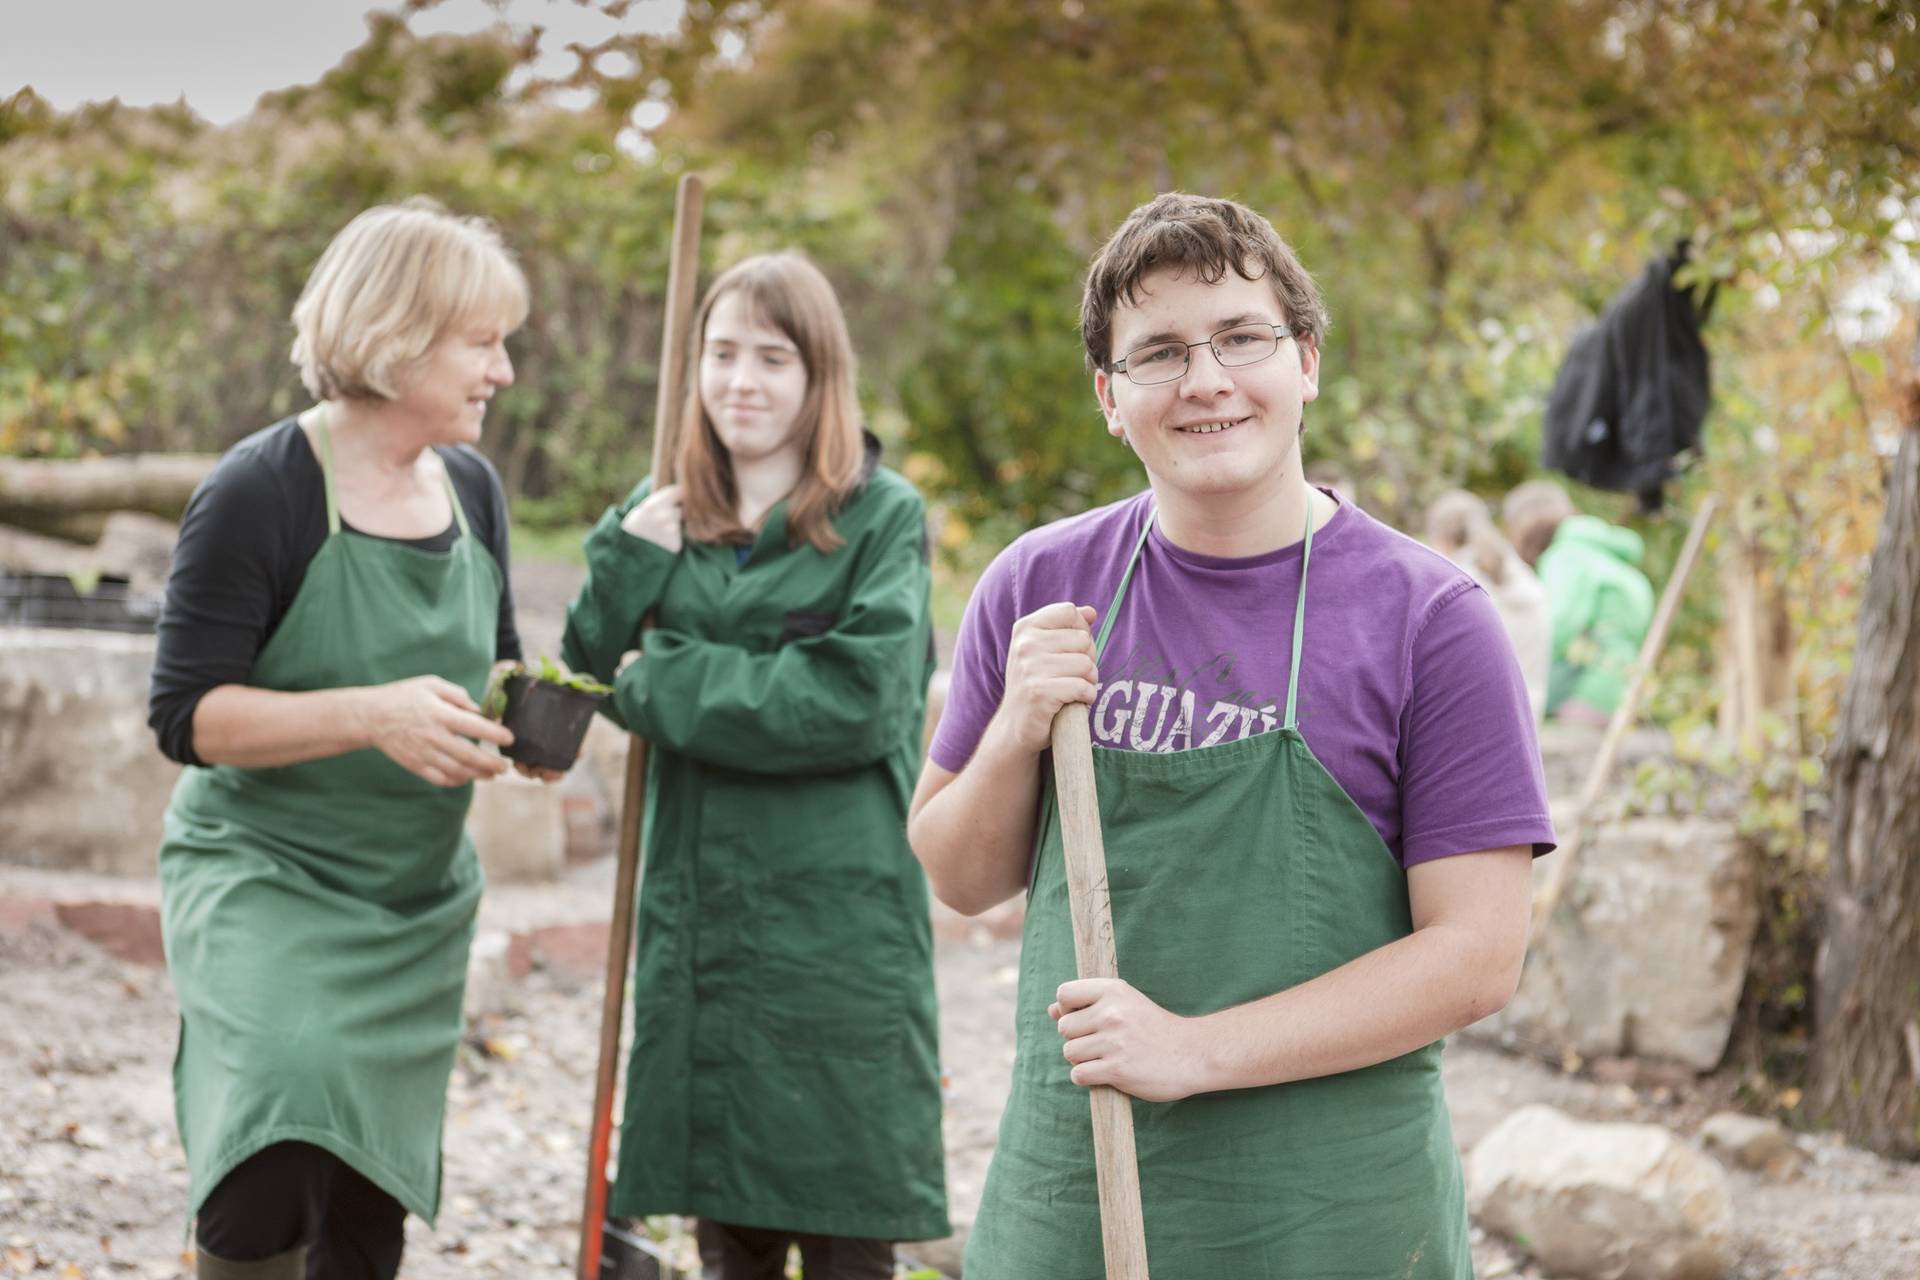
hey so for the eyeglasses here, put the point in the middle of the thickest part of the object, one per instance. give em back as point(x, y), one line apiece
point(1159, 362)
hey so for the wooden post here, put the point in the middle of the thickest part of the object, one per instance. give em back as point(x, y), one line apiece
point(1755, 648)
point(1548, 898)
point(684, 266)
point(1122, 1230)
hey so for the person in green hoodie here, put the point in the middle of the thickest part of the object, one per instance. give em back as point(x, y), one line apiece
point(783, 1084)
point(1600, 602)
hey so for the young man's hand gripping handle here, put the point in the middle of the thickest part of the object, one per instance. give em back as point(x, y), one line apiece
point(973, 831)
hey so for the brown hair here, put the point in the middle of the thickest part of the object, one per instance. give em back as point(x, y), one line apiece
point(788, 293)
point(1203, 236)
point(1532, 513)
point(1460, 527)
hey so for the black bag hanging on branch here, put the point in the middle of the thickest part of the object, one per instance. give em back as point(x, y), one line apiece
point(1634, 388)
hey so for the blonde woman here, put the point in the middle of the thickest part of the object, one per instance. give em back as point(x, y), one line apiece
point(337, 598)
point(784, 1081)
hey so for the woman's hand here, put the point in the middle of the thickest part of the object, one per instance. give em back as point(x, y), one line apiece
point(657, 519)
point(431, 727)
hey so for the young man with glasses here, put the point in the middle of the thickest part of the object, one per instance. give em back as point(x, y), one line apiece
point(1320, 798)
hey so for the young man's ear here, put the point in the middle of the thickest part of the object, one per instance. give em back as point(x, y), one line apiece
point(1103, 392)
point(1309, 368)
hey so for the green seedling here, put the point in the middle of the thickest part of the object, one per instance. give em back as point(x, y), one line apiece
point(493, 704)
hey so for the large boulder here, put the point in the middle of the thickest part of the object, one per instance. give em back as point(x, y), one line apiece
point(1602, 1201)
point(1647, 951)
point(82, 785)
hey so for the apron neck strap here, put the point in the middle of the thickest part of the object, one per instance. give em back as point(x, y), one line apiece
point(326, 475)
point(453, 496)
point(1299, 608)
point(323, 433)
point(1119, 593)
point(1299, 618)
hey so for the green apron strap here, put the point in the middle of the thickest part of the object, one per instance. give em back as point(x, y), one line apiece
point(1113, 606)
point(326, 469)
point(1299, 616)
point(333, 506)
point(453, 496)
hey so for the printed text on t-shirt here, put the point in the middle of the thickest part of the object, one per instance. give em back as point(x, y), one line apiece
point(1147, 706)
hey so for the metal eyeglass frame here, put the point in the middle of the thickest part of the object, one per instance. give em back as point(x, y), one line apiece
point(1279, 331)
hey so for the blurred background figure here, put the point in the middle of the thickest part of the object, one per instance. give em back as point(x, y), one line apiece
point(1601, 603)
point(1460, 527)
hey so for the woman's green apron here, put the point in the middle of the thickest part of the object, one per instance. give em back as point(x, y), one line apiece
point(318, 916)
point(1235, 871)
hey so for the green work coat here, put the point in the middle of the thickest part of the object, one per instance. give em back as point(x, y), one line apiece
point(1601, 605)
point(784, 1071)
point(317, 916)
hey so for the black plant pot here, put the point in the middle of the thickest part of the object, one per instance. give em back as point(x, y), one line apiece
point(548, 720)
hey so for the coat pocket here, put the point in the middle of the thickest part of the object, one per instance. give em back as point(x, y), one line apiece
point(798, 624)
point(833, 965)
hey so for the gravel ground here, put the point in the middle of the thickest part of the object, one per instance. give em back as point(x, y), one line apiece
point(92, 1179)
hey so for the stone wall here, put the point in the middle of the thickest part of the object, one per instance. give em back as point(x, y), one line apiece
point(83, 786)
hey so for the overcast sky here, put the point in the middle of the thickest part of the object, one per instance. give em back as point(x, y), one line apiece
point(223, 54)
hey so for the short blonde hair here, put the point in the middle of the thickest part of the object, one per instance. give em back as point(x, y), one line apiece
point(390, 285)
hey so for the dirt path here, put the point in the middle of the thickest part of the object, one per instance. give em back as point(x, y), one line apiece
point(92, 1180)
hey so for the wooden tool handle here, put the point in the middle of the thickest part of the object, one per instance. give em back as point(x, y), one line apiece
point(682, 269)
point(1115, 1163)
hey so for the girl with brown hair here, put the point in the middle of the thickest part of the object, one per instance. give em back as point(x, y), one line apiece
point(783, 1085)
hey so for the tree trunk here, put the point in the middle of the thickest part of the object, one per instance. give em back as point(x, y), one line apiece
point(156, 483)
point(1866, 1063)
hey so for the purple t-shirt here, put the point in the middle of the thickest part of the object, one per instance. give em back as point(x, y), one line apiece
point(1410, 695)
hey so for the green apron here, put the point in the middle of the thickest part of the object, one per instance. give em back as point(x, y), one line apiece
point(1236, 871)
point(318, 916)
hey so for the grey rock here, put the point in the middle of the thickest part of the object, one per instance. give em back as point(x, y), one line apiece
point(83, 787)
point(1602, 1201)
point(1648, 951)
point(1752, 1142)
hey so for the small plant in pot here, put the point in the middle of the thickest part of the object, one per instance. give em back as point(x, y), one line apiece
point(547, 708)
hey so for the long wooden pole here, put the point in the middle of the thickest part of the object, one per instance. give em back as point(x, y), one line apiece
point(1116, 1166)
point(683, 268)
point(1548, 899)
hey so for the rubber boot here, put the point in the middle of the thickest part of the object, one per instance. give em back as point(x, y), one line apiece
point(291, 1265)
